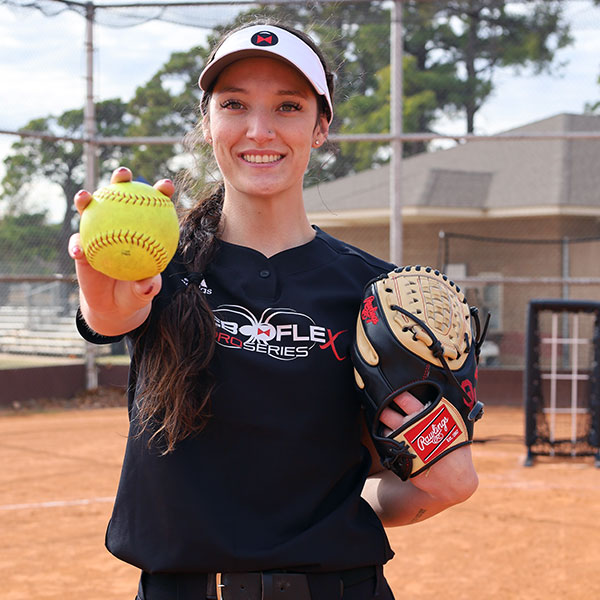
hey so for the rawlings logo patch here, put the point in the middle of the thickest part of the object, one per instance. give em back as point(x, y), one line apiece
point(369, 312)
point(433, 435)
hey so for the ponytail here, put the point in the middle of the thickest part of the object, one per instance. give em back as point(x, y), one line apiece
point(174, 381)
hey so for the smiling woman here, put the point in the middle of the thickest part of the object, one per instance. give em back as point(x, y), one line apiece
point(248, 474)
point(262, 122)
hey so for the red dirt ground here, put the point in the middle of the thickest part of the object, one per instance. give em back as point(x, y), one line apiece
point(527, 533)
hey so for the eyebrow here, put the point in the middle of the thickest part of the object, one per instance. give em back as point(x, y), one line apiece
point(233, 89)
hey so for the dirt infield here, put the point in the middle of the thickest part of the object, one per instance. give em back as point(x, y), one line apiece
point(528, 533)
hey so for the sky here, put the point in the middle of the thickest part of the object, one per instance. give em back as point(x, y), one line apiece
point(42, 69)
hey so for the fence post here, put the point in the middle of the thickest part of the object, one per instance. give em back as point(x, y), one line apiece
point(396, 233)
point(89, 148)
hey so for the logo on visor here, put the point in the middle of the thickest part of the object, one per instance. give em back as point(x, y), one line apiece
point(264, 38)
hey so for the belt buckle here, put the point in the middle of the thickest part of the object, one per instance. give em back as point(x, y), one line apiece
point(219, 585)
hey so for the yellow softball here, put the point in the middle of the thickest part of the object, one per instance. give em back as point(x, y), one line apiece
point(129, 231)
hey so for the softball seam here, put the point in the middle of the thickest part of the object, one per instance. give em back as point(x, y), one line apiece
point(132, 199)
point(106, 240)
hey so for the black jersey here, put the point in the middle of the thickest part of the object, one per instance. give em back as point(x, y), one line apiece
point(274, 480)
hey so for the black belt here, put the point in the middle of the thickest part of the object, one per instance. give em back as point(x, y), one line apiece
point(266, 585)
point(257, 586)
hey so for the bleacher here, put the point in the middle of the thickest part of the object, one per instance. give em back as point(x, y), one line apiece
point(45, 331)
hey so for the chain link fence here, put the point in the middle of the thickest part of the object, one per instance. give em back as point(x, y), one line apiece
point(510, 217)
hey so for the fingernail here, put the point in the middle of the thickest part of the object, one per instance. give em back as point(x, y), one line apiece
point(79, 193)
point(122, 170)
point(76, 251)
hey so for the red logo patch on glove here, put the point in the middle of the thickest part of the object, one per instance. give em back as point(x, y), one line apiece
point(430, 437)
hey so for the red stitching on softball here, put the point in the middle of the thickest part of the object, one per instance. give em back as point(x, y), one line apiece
point(128, 198)
point(153, 247)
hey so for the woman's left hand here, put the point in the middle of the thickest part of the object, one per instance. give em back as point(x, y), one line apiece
point(452, 477)
point(449, 481)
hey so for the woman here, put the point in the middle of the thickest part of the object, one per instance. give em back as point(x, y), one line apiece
point(247, 453)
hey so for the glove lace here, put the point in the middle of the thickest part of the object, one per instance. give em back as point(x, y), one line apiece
point(437, 349)
point(479, 334)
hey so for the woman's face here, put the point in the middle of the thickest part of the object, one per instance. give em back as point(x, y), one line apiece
point(262, 123)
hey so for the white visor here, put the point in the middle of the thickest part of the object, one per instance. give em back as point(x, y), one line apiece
point(260, 39)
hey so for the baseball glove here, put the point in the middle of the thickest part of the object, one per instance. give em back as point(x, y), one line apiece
point(416, 333)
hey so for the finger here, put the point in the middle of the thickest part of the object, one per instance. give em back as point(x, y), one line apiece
point(131, 296)
point(121, 175)
point(74, 247)
point(81, 200)
point(392, 419)
point(147, 288)
point(408, 404)
point(165, 186)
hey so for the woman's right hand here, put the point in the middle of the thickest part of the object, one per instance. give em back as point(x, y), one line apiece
point(111, 306)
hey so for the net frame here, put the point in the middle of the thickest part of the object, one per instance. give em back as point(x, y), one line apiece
point(543, 411)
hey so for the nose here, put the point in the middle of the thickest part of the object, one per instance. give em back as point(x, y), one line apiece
point(260, 126)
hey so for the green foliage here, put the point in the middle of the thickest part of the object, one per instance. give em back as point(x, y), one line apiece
point(452, 49)
point(481, 36)
point(34, 160)
point(59, 161)
point(354, 37)
point(593, 108)
point(32, 240)
point(165, 106)
point(371, 113)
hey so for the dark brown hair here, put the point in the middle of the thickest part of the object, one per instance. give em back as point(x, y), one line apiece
point(174, 379)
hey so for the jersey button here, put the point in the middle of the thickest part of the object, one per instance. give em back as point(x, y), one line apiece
point(264, 273)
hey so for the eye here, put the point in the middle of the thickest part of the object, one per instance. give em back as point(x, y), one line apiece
point(232, 104)
point(290, 107)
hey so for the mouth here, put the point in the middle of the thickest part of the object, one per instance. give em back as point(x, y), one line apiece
point(262, 159)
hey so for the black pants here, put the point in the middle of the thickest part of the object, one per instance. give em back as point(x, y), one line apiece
point(358, 584)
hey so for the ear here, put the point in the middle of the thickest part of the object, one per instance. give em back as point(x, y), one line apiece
point(321, 131)
point(206, 129)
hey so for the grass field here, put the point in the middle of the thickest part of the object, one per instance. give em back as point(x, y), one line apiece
point(527, 533)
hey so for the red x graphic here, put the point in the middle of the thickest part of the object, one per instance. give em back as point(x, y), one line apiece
point(260, 38)
point(331, 341)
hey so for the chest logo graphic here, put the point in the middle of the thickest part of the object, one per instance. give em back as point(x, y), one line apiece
point(280, 333)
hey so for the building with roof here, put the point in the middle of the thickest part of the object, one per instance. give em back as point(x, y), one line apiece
point(534, 200)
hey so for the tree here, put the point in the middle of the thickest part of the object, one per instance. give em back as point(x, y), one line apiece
point(593, 108)
point(371, 113)
point(452, 50)
point(481, 36)
point(355, 38)
point(60, 162)
point(30, 238)
point(167, 105)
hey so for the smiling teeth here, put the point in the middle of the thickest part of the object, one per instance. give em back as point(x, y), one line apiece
point(253, 158)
